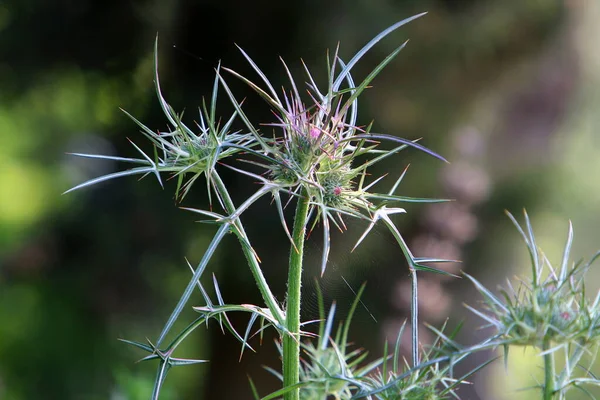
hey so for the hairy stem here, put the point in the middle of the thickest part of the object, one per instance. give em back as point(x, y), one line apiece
point(291, 341)
point(549, 372)
point(259, 278)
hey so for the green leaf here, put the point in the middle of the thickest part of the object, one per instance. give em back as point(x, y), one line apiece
point(399, 140)
point(487, 294)
point(564, 267)
point(142, 346)
point(346, 70)
point(133, 171)
point(190, 287)
point(260, 73)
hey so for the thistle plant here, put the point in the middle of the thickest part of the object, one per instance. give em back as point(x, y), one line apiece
point(550, 312)
point(316, 154)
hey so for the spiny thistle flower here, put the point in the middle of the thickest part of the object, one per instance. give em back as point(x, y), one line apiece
point(549, 311)
point(551, 306)
point(316, 153)
point(182, 151)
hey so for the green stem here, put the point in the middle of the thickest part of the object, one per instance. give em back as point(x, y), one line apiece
point(414, 299)
point(291, 340)
point(549, 372)
point(414, 316)
point(261, 282)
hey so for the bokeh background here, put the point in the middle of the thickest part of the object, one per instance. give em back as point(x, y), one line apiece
point(507, 90)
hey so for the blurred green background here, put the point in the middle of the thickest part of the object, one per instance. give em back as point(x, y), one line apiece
point(507, 90)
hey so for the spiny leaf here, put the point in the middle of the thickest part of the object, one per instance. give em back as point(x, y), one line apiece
point(133, 171)
point(190, 287)
point(368, 46)
point(411, 143)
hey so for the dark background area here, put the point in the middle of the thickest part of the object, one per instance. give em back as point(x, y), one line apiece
point(502, 88)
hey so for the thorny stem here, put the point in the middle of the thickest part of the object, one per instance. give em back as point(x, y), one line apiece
point(549, 372)
point(291, 341)
point(261, 282)
point(414, 299)
point(414, 317)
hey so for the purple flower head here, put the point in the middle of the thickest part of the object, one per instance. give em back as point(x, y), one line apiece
point(314, 132)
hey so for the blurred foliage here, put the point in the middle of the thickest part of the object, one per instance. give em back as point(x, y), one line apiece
point(79, 271)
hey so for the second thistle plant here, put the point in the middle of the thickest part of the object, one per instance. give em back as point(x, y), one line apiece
point(550, 312)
